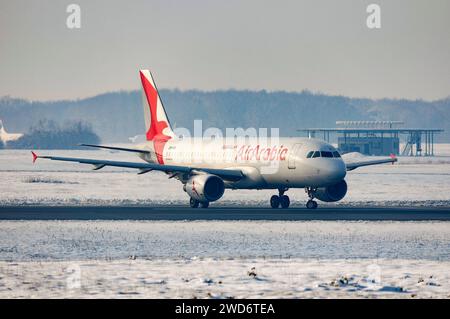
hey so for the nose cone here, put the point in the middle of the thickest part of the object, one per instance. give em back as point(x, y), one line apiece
point(336, 170)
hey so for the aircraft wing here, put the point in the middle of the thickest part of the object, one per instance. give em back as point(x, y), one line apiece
point(226, 174)
point(355, 160)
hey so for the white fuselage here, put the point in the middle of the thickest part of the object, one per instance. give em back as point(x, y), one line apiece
point(276, 163)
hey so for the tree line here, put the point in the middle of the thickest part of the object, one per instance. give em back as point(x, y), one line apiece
point(47, 134)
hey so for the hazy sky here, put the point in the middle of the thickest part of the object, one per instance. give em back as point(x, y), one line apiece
point(320, 45)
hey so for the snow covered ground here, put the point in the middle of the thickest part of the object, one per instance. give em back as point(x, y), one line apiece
point(219, 259)
point(80, 240)
point(230, 278)
point(224, 259)
point(411, 182)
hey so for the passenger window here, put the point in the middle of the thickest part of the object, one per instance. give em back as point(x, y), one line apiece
point(336, 154)
point(326, 154)
point(309, 154)
point(316, 154)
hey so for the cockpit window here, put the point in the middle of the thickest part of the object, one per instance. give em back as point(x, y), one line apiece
point(314, 154)
point(326, 154)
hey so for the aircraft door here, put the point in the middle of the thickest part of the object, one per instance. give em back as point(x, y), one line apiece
point(293, 154)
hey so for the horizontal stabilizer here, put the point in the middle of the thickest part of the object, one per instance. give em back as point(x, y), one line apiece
point(117, 148)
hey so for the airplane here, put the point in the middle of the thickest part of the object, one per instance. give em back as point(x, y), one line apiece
point(7, 137)
point(207, 167)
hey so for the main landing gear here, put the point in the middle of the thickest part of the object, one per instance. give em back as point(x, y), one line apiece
point(280, 200)
point(195, 203)
point(283, 201)
point(311, 203)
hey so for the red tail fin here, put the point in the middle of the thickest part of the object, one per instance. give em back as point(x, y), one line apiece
point(156, 121)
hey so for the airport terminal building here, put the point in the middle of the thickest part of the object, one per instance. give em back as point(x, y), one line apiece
point(378, 138)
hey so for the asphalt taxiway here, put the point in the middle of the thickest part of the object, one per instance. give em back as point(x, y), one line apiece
point(220, 213)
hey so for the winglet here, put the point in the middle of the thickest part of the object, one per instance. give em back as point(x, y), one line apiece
point(34, 156)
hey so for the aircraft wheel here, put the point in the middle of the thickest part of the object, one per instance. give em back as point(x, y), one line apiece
point(193, 203)
point(311, 204)
point(275, 201)
point(204, 204)
point(284, 201)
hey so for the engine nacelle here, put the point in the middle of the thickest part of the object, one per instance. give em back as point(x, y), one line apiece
point(332, 193)
point(205, 187)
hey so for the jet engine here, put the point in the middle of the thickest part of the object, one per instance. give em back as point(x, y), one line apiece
point(332, 193)
point(205, 187)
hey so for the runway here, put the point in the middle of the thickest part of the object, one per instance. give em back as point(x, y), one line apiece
point(220, 213)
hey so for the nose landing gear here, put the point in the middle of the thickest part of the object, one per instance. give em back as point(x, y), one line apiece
point(311, 203)
point(280, 200)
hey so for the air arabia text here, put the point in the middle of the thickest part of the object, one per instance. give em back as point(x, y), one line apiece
point(258, 152)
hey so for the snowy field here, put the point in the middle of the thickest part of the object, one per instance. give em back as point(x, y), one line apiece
point(219, 259)
point(224, 259)
point(80, 240)
point(410, 182)
point(230, 278)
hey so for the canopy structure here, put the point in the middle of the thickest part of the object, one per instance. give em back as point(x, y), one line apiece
point(378, 137)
